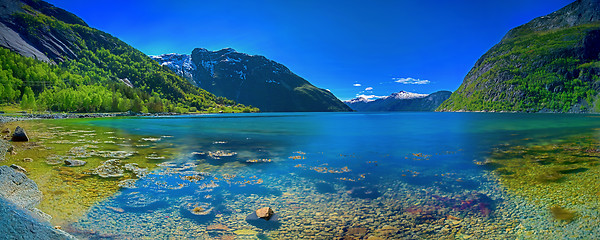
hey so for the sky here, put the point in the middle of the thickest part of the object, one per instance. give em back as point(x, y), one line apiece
point(352, 48)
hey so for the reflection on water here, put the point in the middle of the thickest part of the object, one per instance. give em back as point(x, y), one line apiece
point(325, 175)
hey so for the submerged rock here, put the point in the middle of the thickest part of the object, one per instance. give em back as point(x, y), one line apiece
point(18, 168)
point(268, 221)
point(110, 168)
point(19, 135)
point(562, 214)
point(135, 169)
point(221, 154)
point(74, 162)
point(198, 209)
point(364, 192)
point(265, 213)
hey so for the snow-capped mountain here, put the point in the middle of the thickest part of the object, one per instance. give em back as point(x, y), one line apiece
point(400, 101)
point(359, 99)
point(406, 95)
point(179, 63)
point(251, 80)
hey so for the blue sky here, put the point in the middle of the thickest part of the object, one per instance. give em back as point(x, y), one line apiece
point(349, 47)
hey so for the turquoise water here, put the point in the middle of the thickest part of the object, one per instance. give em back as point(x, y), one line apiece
point(336, 175)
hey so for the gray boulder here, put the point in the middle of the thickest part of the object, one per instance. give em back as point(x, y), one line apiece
point(17, 223)
point(74, 162)
point(17, 188)
point(20, 135)
point(19, 219)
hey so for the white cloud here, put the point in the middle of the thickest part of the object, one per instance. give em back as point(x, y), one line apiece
point(357, 85)
point(411, 81)
point(369, 89)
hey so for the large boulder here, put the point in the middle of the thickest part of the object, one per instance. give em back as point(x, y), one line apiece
point(17, 188)
point(20, 135)
point(19, 219)
point(18, 223)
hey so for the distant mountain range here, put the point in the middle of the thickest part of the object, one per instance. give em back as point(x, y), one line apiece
point(551, 64)
point(400, 101)
point(251, 80)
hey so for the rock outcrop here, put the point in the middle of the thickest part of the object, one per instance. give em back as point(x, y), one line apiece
point(19, 217)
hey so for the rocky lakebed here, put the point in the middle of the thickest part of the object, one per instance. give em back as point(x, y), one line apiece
point(94, 182)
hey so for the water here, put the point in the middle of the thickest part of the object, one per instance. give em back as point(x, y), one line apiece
point(335, 175)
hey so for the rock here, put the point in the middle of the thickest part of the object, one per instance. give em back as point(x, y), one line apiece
point(364, 192)
point(19, 135)
point(27, 159)
point(74, 162)
point(116, 209)
point(18, 168)
point(245, 232)
point(110, 168)
point(270, 223)
point(17, 188)
point(217, 227)
point(387, 231)
point(265, 213)
point(6, 131)
point(135, 169)
point(5, 147)
point(18, 223)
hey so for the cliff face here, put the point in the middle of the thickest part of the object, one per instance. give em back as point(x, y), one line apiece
point(550, 64)
point(251, 80)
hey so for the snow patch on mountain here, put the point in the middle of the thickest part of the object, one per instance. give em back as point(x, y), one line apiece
point(181, 64)
point(406, 95)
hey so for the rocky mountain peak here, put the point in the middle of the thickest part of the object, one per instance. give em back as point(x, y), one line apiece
point(406, 95)
point(576, 13)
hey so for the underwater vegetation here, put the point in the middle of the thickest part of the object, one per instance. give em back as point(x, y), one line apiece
point(553, 174)
point(562, 213)
point(106, 162)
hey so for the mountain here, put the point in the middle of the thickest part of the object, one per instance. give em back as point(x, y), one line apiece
point(550, 64)
point(52, 60)
point(400, 101)
point(251, 80)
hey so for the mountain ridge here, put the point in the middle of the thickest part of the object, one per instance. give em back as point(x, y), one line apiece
point(400, 101)
point(549, 64)
point(99, 71)
point(252, 80)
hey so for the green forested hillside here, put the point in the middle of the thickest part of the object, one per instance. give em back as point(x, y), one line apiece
point(89, 70)
point(537, 67)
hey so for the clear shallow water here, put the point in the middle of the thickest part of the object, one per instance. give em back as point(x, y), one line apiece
point(336, 175)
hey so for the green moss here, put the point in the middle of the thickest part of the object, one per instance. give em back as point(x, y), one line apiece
point(562, 214)
point(562, 172)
